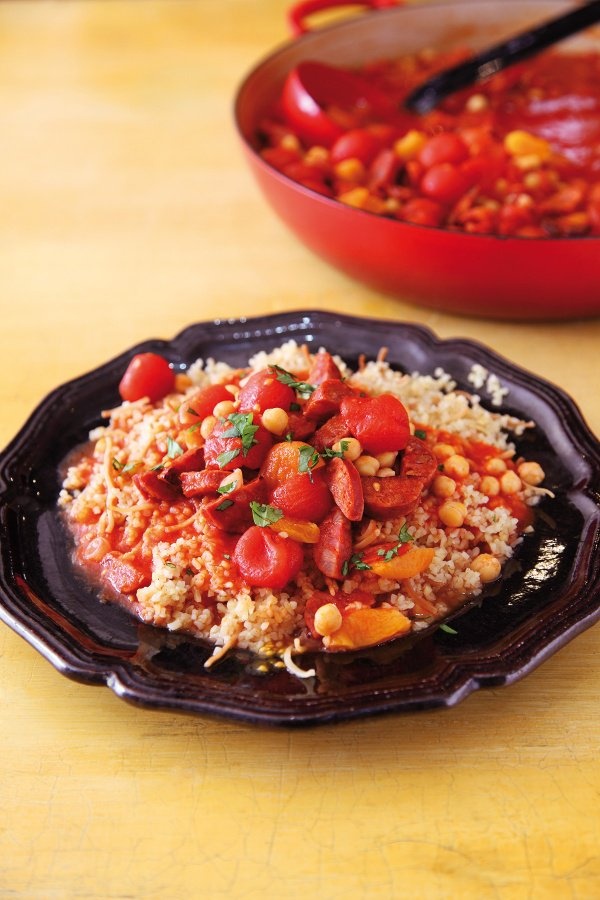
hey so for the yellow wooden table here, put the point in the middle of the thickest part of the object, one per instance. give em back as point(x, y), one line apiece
point(126, 213)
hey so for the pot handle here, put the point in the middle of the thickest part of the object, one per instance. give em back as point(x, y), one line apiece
point(299, 11)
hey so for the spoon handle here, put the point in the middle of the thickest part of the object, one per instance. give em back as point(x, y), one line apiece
point(494, 59)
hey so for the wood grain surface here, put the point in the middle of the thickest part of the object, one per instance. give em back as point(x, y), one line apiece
point(126, 212)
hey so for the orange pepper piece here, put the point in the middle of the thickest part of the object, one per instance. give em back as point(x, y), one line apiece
point(366, 626)
point(298, 529)
point(405, 565)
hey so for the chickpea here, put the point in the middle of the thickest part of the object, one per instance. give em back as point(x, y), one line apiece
point(275, 419)
point(452, 513)
point(224, 409)
point(495, 466)
point(490, 486)
point(385, 472)
point(349, 447)
point(367, 465)
point(443, 486)
point(351, 169)
point(531, 473)
point(510, 482)
point(443, 451)
point(206, 428)
point(487, 566)
point(387, 460)
point(328, 619)
point(456, 466)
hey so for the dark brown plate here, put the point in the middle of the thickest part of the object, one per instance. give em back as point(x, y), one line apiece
point(548, 594)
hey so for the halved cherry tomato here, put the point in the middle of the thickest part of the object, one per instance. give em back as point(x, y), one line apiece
point(147, 375)
point(263, 391)
point(303, 497)
point(287, 459)
point(267, 560)
point(201, 404)
point(380, 423)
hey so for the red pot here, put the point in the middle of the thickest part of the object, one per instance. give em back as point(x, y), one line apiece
point(496, 277)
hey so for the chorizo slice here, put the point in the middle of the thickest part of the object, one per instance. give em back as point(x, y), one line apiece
point(334, 547)
point(388, 498)
point(122, 575)
point(198, 484)
point(326, 398)
point(231, 512)
point(299, 427)
point(418, 461)
point(323, 368)
point(346, 489)
point(153, 487)
point(333, 430)
point(189, 461)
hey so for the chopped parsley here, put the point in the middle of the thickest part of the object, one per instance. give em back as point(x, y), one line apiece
point(193, 412)
point(307, 459)
point(285, 377)
point(263, 514)
point(173, 448)
point(328, 453)
point(355, 562)
point(447, 629)
point(124, 467)
point(227, 456)
point(242, 427)
point(226, 488)
point(404, 537)
point(419, 433)
point(225, 504)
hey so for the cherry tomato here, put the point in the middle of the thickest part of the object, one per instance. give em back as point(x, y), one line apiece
point(445, 147)
point(201, 404)
point(380, 424)
point(147, 375)
point(303, 497)
point(232, 446)
point(421, 211)
point(444, 183)
point(267, 560)
point(263, 391)
point(356, 144)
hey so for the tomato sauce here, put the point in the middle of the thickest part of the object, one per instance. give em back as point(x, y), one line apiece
point(517, 155)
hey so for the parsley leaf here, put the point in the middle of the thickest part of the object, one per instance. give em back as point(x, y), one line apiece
point(242, 427)
point(307, 459)
point(447, 629)
point(419, 433)
point(224, 505)
point(355, 562)
point(173, 448)
point(329, 453)
point(285, 377)
point(227, 487)
point(263, 514)
point(227, 456)
point(404, 537)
